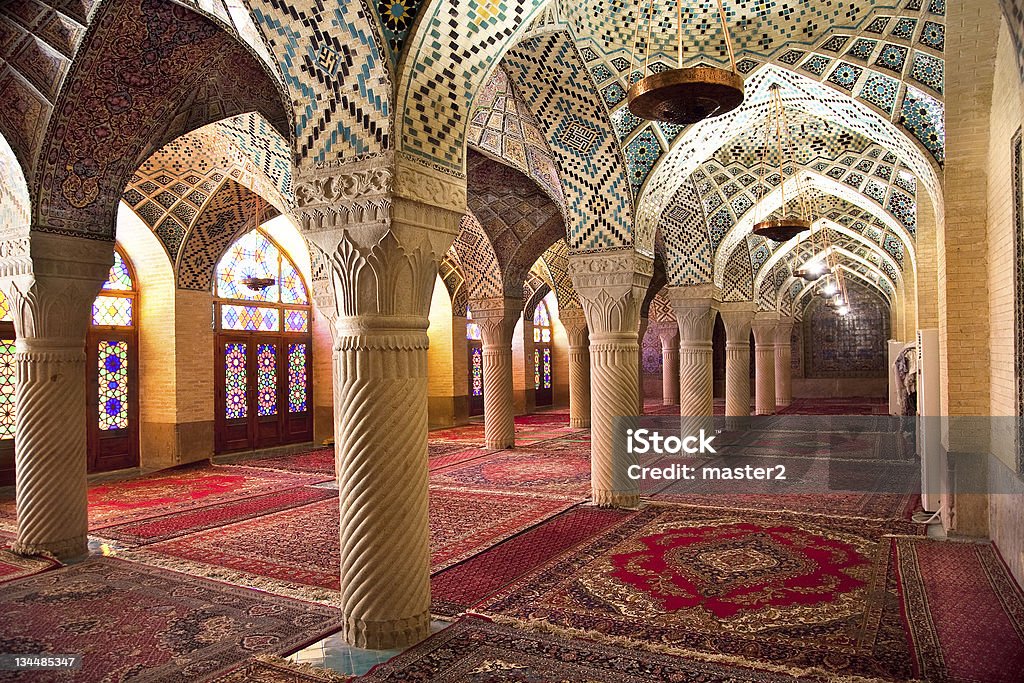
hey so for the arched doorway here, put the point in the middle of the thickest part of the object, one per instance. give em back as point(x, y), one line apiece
point(111, 347)
point(475, 365)
point(263, 348)
point(542, 355)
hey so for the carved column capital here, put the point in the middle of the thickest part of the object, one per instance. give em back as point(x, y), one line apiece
point(737, 317)
point(784, 330)
point(695, 308)
point(764, 326)
point(575, 323)
point(497, 317)
point(611, 286)
point(668, 332)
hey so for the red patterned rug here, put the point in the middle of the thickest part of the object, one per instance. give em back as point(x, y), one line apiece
point(526, 434)
point(458, 588)
point(964, 612)
point(13, 567)
point(473, 650)
point(166, 527)
point(303, 559)
point(321, 461)
point(866, 505)
point(785, 593)
point(270, 669)
point(564, 472)
point(194, 629)
point(176, 490)
point(544, 418)
point(837, 406)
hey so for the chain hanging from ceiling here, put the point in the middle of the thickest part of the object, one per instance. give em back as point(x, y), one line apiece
point(794, 214)
point(681, 96)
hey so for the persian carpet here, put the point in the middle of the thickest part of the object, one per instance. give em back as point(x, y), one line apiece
point(303, 558)
point(964, 612)
point(462, 586)
point(269, 669)
point(195, 629)
point(13, 567)
point(320, 461)
point(176, 490)
point(543, 418)
point(563, 473)
point(178, 524)
point(474, 650)
point(837, 406)
point(788, 593)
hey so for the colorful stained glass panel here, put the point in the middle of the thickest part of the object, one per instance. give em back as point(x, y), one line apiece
point(292, 289)
point(236, 381)
point(473, 331)
point(119, 277)
point(477, 365)
point(296, 378)
point(296, 321)
point(266, 379)
point(253, 255)
point(547, 368)
point(249, 318)
point(113, 385)
point(5, 309)
point(7, 383)
point(536, 369)
point(112, 310)
point(540, 315)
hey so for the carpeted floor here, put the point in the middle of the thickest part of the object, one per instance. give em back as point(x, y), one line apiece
point(784, 592)
point(14, 567)
point(303, 559)
point(321, 461)
point(268, 669)
point(563, 472)
point(475, 651)
point(177, 490)
point(130, 621)
point(462, 586)
point(964, 612)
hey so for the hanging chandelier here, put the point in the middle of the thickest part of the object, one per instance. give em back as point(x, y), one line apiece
point(790, 221)
point(683, 96)
point(253, 283)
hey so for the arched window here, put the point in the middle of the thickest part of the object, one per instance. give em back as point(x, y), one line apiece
point(112, 352)
point(476, 365)
point(542, 355)
point(8, 378)
point(264, 346)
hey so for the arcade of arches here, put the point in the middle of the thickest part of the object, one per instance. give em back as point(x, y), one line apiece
point(319, 320)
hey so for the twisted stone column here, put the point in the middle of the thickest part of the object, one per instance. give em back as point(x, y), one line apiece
point(575, 324)
point(669, 335)
point(379, 250)
point(737, 318)
point(51, 285)
point(764, 326)
point(641, 333)
point(783, 362)
point(611, 287)
point(694, 308)
point(497, 318)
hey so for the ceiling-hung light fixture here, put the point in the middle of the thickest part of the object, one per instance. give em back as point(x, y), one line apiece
point(683, 96)
point(789, 221)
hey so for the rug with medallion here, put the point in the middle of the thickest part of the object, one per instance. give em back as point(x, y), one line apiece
point(296, 551)
point(194, 629)
point(473, 650)
point(175, 490)
point(964, 611)
point(783, 592)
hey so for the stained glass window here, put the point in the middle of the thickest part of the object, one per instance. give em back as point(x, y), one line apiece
point(5, 309)
point(472, 329)
point(120, 277)
point(112, 310)
point(296, 321)
point(266, 379)
point(249, 318)
point(477, 360)
point(255, 257)
point(113, 384)
point(296, 378)
point(235, 381)
point(541, 324)
point(547, 368)
point(7, 383)
point(536, 368)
